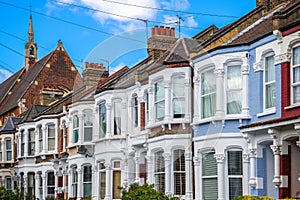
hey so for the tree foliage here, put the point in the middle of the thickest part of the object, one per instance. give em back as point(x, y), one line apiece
point(144, 192)
point(8, 194)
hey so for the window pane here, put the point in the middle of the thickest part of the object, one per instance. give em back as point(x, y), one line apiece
point(234, 79)
point(102, 185)
point(75, 121)
point(117, 118)
point(234, 102)
point(296, 75)
point(88, 134)
point(270, 95)
point(8, 156)
point(159, 92)
point(178, 107)
point(87, 189)
point(8, 183)
point(235, 165)
point(269, 69)
point(210, 188)
point(296, 55)
point(8, 144)
point(160, 110)
point(179, 160)
point(208, 82)
point(75, 135)
point(235, 187)
point(102, 120)
point(296, 91)
point(51, 131)
point(116, 184)
point(179, 172)
point(209, 164)
point(208, 105)
point(88, 121)
point(178, 86)
point(87, 174)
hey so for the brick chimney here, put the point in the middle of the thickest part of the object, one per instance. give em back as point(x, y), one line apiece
point(93, 73)
point(161, 40)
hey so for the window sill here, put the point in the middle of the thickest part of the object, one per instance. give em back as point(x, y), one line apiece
point(172, 121)
point(296, 105)
point(218, 118)
point(267, 112)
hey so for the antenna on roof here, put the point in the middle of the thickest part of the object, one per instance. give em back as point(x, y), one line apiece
point(179, 20)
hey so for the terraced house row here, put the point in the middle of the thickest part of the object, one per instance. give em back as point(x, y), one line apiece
point(215, 116)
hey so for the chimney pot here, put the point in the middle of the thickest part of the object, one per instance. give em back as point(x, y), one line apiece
point(173, 32)
point(168, 31)
point(162, 30)
point(156, 30)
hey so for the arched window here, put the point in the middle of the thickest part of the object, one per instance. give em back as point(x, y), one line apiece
point(208, 93)
point(50, 184)
point(8, 183)
point(295, 65)
point(102, 120)
point(235, 173)
point(178, 94)
point(8, 149)
point(159, 171)
point(88, 125)
point(31, 184)
point(75, 128)
point(74, 183)
point(87, 181)
point(102, 174)
point(179, 172)
point(116, 179)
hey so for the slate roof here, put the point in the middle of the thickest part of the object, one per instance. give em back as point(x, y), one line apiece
point(10, 124)
point(13, 89)
point(33, 112)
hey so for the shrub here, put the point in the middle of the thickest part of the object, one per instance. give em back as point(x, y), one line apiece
point(247, 197)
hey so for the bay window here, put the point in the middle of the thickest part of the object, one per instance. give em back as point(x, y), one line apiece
point(117, 117)
point(31, 184)
point(235, 173)
point(208, 94)
point(88, 125)
point(51, 137)
point(31, 142)
point(295, 75)
point(74, 183)
point(75, 128)
point(8, 149)
point(234, 89)
point(135, 114)
point(209, 176)
point(116, 180)
point(8, 183)
point(159, 101)
point(178, 93)
point(22, 142)
point(159, 171)
point(269, 82)
point(50, 184)
point(102, 120)
point(179, 172)
point(87, 181)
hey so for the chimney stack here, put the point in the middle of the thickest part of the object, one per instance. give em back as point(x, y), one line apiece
point(93, 73)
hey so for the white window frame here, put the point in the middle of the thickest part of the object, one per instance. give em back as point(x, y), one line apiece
point(159, 170)
point(181, 172)
point(116, 168)
point(50, 186)
point(75, 128)
point(87, 182)
point(213, 111)
point(159, 101)
point(31, 142)
point(117, 115)
point(40, 137)
point(229, 176)
point(102, 175)
point(102, 120)
point(87, 124)
point(178, 97)
point(8, 151)
point(8, 186)
point(51, 138)
point(227, 90)
point(135, 110)
point(296, 84)
point(215, 176)
point(265, 83)
point(74, 183)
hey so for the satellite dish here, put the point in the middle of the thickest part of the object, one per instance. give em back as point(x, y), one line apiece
point(81, 150)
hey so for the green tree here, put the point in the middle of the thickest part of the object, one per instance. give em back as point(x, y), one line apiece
point(144, 192)
point(8, 194)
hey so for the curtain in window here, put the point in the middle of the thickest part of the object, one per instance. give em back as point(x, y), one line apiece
point(179, 172)
point(209, 177)
point(31, 142)
point(116, 184)
point(270, 90)
point(88, 125)
point(8, 150)
point(159, 171)
point(208, 94)
point(87, 181)
point(234, 93)
point(102, 120)
point(178, 96)
point(117, 117)
point(75, 128)
point(51, 137)
point(296, 74)
point(159, 99)
point(102, 184)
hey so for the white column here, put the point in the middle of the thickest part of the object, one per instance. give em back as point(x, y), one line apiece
point(187, 104)
point(151, 105)
point(3, 150)
point(188, 175)
point(221, 179)
point(245, 86)
point(220, 112)
point(95, 182)
point(44, 186)
point(124, 172)
point(196, 99)
point(37, 146)
point(124, 116)
point(245, 174)
point(64, 135)
point(26, 143)
point(81, 128)
point(96, 123)
point(276, 150)
point(167, 86)
point(37, 184)
point(150, 169)
point(137, 169)
point(197, 168)
point(19, 145)
point(55, 183)
point(168, 164)
point(252, 155)
point(80, 184)
point(108, 120)
point(70, 183)
point(108, 175)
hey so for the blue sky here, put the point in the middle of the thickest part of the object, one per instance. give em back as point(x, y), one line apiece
point(111, 36)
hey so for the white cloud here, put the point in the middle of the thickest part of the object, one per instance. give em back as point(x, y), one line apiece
point(4, 74)
point(190, 22)
point(116, 68)
point(176, 4)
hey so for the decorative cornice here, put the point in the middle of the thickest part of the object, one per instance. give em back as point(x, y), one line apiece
point(219, 157)
point(282, 58)
point(258, 66)
point(219, 72)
